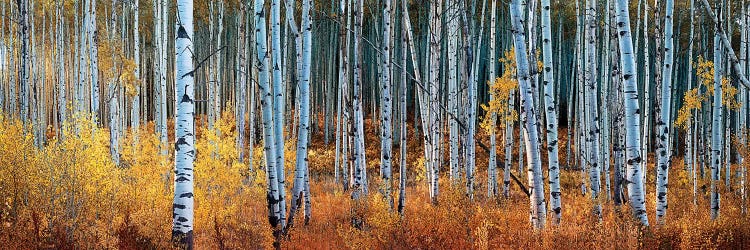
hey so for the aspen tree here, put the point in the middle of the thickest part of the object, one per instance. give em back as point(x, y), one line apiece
point(182, 227)
point(633, 177)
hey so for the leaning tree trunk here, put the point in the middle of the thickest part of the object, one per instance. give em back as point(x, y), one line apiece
point(529, 118)
point(182, 228)
point(662, 150)
point(633, 178)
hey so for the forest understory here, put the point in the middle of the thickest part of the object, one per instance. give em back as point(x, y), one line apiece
point(70, 195)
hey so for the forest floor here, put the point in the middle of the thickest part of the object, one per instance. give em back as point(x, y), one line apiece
point(68, 194)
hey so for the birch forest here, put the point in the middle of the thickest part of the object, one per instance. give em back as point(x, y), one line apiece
point(374, 124)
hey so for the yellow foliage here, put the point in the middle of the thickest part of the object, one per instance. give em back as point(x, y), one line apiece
point(694, 97)
point(500, 91)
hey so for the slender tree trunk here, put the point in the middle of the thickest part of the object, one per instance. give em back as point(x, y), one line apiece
point(403, 116)
point(663, 152)
point(633, 178)
point(304, 113)
point(529, 118)
point(551, 113)
point(278, 106)
point(262, 56)
point(386, 133)
point(182, 229)
point(135, 118)
point(716, 127)
point(592, 115)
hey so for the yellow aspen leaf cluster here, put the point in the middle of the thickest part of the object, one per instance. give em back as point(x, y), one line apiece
point(695, 97)
point(500, 91)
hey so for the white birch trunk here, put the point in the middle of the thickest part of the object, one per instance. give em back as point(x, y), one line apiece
point(716, 127)
point(663, 152)
point(300, 174)
point(386, 133)
point(278, 105)
point(182, 229)
point(135, 119)
point(592, 115)
point(633, 177)
point(262, 56)
point(529, 118)
point(549, 102)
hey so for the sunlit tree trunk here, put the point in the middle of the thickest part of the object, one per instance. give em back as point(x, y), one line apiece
point(262, 56)
point(716, 127)
point(182, 229)
point(663, 152)
point(402, 104)
point(24, 70)
point(529, 119)
point(241, 83)
point(93, 57)
point(135, 118)
point(61, 81)
point(304, 113)
point(278, 106)
point(592, 115)
point(360, 168)
point(492, 75)
point(551, 113)
point(435, 39)
point(386, 133)
point(646, 115)
point(633, 178)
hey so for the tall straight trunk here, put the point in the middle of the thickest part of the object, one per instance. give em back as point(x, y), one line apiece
point(403, 116)
point(386, 133)
point(551, 113)
point(663, 152)
point(24, 70)
point(301, 169)
point(646, 93)
point(272, 188)
point(716, 127)
point(182, 227)
point(452, 81)
point(61, 81)
point(633, 178)
point(592, 115)
point(493, 116)
point(278, 106)
point(471, 96)
point(434, 95)
point(135, 118)
point(162, 102)
point(360, 168)
point(342, 80)
point(241, 83)
point(93, 57)
point(529, 119)
point(689, 159)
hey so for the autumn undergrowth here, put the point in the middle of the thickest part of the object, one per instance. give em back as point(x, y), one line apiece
point(68, 194)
